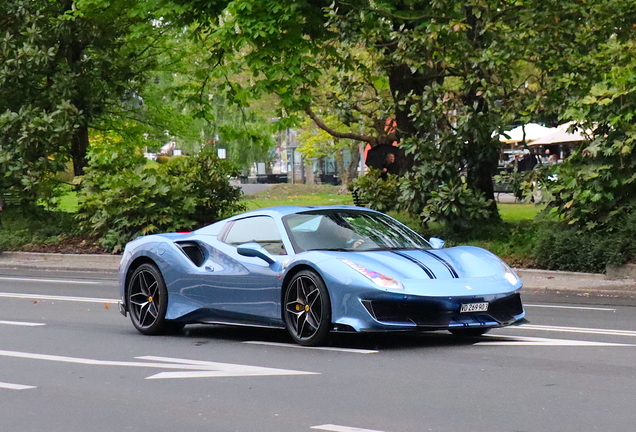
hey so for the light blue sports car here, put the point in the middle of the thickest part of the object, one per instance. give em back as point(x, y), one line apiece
point(314, 270)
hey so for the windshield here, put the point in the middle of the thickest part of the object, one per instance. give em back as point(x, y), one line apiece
point(349, 230)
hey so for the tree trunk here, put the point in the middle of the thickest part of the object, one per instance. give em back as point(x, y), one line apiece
point(79, 147)
point(352, 169)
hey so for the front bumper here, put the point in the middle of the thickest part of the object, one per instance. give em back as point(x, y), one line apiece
point(437, 313)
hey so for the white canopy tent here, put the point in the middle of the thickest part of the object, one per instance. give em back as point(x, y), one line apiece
point(560, 135)
point(532, 131)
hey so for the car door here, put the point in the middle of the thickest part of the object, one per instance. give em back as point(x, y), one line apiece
point(246, 289)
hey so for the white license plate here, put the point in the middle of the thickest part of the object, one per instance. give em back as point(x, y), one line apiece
point(474, 307)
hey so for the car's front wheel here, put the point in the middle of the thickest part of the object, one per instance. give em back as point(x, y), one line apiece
point(148, 300)
point(307, 309)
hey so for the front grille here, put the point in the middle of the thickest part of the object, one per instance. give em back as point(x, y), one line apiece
point(505, 309)
point(437, 313)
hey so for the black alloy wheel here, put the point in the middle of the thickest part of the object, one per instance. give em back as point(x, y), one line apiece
point(307, 309)
point(469, 332)
point(148, 300)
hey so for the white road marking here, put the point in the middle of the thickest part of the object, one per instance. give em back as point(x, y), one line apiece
point(611, 332)
point(571, 307)
point(286, 345)
point(15, 386)
point(59, 298)
point(534, 341)
point(336, 428)
point(21, 323)
point(200, 368)
point(66, 281)
point(214, 369)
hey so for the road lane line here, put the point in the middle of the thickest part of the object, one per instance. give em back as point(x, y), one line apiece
point(610, 332)
point(571, 307)
point(67, 281)
point(21, 323)
point(336, 428)
point(535, 341)
point(15, 386)
point(286, 345)
point(215, 370)
point(58, 298)
point(196, 368)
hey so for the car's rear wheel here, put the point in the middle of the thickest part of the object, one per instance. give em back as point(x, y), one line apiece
point(148, 300)
point(469, 332)
point(307, 309)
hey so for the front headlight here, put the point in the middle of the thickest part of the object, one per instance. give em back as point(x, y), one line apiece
point(509, 274)
point(375, 277)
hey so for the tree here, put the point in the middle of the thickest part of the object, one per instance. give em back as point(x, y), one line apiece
point(594, 188)
point(316, 144)
point(64, 67)
point(441, 70)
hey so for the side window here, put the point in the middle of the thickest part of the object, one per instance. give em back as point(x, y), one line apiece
point(259, 229)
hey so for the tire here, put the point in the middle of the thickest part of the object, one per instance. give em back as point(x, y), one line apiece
point(148, 300)
point(307, 309)
point(469, 332)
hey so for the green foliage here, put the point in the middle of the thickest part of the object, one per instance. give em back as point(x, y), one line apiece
point(455, 205)
point(25, 226)
point(375, 192)
point(122, 198)
point(208, 181)
point(61, 68)
point(561, 247)
point(594, 84)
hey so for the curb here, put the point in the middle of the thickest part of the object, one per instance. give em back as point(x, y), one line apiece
point(534, 280)
point(53, 261)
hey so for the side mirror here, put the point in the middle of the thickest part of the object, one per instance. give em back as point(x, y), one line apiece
point(255, 250)
point(436, 243)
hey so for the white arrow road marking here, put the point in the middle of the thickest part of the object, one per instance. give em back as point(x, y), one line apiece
point(611, 332)
point(286, 345)
point(336, 428)
point(15, 386)
point(66, 281)
point(20, 323)
point(534, 341)
point(213, 369)
point(571, 307)
point(58, 298)
point(200, 368)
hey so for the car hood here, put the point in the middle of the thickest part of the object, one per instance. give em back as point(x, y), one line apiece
point(461, 267)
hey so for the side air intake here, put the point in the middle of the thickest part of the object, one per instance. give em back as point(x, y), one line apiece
point(193, 251)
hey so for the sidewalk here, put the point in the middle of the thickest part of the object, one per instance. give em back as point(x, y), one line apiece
point(535, 281)
point(59, 262)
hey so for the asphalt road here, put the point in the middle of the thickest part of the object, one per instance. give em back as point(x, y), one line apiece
point(70, 362)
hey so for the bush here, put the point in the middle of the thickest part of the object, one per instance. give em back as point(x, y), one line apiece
point(562, 247)
point(207, 177)
point(375, 192)
point(25, 225)
point(121, 198)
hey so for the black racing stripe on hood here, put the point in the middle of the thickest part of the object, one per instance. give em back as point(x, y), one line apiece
point(420, 264)
point(443, 261)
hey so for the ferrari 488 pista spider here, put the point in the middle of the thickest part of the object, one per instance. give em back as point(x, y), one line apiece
point(313, 270)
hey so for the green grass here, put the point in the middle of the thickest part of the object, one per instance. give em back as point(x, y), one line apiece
point(68, 202)
point(300, 195)
point(518, 212)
